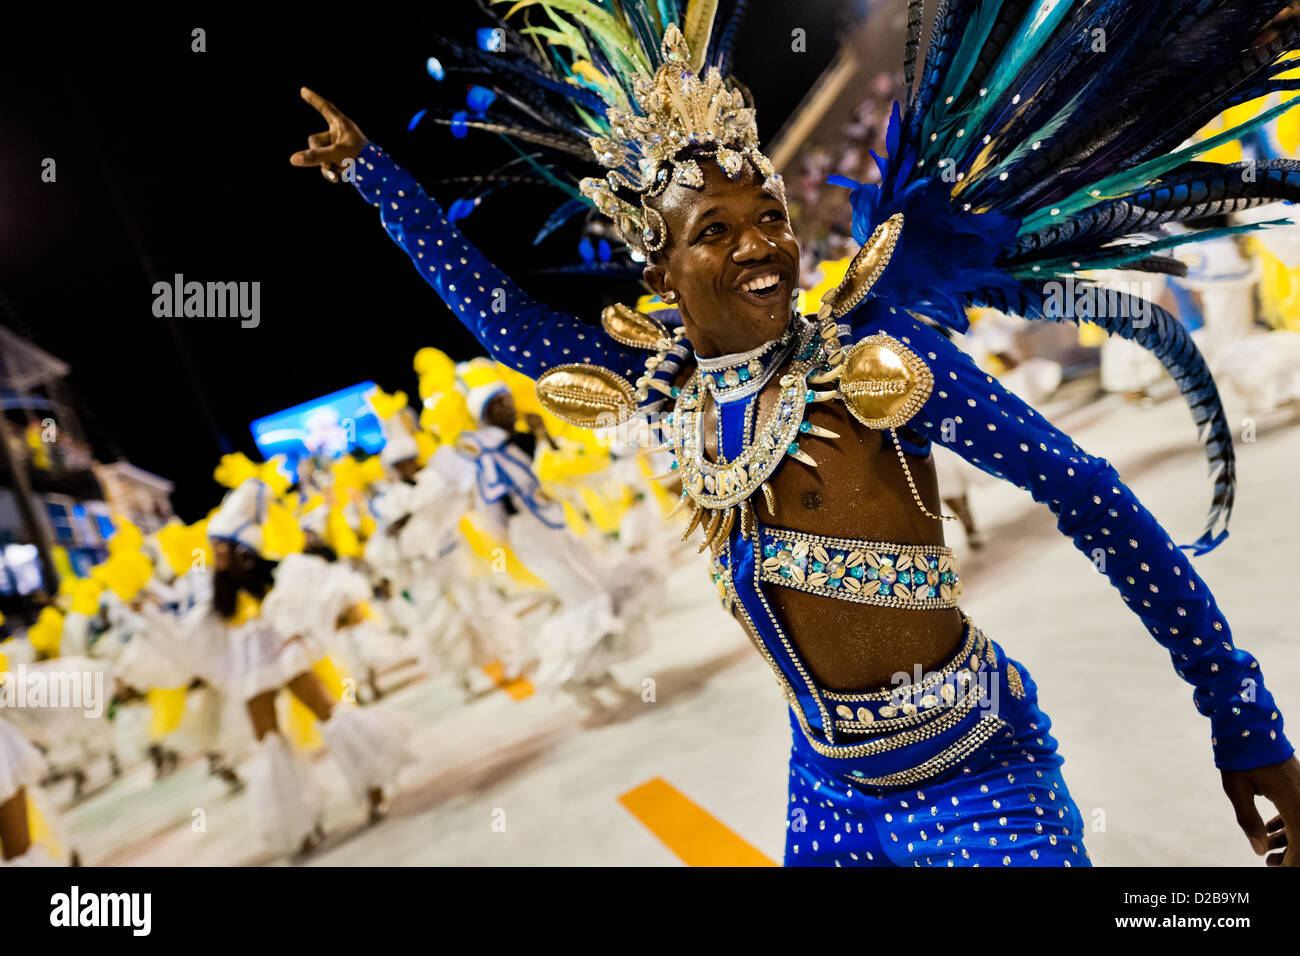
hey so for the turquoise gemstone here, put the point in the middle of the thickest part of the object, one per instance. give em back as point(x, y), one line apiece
point(873, 573)
point(817, 566)
point(804, 427)
point(769, 551)
point(794, 447)
point(676, 391)
point(744, 375)
point(674, 467)
point(833, 583)
point(722, 382)
point(856, 572)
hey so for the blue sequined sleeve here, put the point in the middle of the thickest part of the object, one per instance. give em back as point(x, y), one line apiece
point(972, 414)
point(515, 330)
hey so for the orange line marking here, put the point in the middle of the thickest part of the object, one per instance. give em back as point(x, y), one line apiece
point(695, 835)
point(518, 688)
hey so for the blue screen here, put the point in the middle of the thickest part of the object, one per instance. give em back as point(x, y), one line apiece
point(330, 426)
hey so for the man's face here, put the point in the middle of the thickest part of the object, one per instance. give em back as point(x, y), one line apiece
point(732, 259)
point(500, 411)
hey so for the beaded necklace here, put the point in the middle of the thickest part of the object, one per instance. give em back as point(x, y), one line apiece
point(723, 488)
point(730, 378)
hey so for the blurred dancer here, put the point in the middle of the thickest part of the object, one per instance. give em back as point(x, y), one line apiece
point(576, 644)
point(256, 659)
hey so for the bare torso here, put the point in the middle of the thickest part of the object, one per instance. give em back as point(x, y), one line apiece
point(857, 490)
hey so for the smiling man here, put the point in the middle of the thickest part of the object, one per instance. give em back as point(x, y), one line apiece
point(803, 443)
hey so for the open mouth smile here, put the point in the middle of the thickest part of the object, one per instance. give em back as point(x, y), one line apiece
point(762, 288)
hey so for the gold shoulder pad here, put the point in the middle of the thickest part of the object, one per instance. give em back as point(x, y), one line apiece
point(635, 329)
point(867, 266)
point(589, 396)
point(884, 382)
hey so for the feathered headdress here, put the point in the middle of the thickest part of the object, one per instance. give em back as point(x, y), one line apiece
point(626, 86)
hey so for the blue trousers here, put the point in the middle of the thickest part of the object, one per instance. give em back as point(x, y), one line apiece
point(1004, 804)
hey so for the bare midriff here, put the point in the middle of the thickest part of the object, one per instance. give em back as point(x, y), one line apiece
point(858, 490)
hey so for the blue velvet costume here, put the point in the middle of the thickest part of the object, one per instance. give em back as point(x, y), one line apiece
point(977, 784)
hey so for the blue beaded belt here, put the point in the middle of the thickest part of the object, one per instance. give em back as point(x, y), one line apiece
point(868, 572)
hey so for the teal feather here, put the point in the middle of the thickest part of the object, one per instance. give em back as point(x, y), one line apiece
point(963, 63)
point(1130, 180)
point(1041, 135)
point(1035, 30)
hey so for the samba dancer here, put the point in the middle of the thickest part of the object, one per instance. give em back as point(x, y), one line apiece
point(802, 443)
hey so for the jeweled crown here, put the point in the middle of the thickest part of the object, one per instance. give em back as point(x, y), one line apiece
point(677, 109)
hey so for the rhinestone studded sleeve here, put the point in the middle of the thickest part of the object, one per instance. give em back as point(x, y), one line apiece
point(970, 413)
point(515, 329)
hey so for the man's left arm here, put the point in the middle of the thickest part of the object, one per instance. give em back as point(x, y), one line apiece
point(971, 413)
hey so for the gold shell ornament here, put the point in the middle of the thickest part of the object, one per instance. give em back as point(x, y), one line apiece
point(634, 329)
point(884, 383)
point(589, 396)
point(867, 267)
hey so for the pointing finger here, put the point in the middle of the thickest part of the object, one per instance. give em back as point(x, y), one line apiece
point(320, 104)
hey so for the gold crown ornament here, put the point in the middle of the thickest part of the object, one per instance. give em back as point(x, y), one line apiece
point(678, 109)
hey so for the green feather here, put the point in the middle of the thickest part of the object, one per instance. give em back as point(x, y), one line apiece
point(544, 172)
point(614, 38)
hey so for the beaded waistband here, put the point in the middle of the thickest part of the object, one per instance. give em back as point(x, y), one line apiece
point(923, 577)
point(902, 736)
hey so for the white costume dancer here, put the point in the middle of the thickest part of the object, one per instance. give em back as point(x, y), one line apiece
point(71, 720)
point(269, 651)
point(575, 644)
point(165, 651)
point(417, 550)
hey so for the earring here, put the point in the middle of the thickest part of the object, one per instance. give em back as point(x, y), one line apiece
point(670, 296)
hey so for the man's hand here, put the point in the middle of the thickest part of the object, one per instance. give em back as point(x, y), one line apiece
point(1280, 784)
point(341, 143)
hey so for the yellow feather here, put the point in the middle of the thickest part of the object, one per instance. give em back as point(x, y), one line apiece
point(697, 27)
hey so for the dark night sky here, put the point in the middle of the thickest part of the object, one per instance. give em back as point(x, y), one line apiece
point(196, 147)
